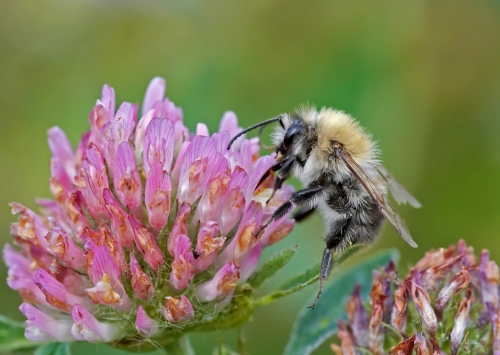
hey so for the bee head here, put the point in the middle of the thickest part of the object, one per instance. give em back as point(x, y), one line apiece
point(296, 129)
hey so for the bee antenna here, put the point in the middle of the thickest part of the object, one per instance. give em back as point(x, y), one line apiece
point(257, 125)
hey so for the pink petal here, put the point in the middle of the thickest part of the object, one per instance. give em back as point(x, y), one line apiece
point(61, 150)
point(13, 258)
point(157, 196)
point(229, 123)
point(51, 208)
point(208, 245)
point(221, 140)
point(105, 276)
point(159, 144)
point(154, 93)
point(182, 266)
point(141, 283)
point(20, 277)
point(280, 197)
point(261, 167)
point(42, 327)
point(70, 279)
point(60, 182)
point(87, 327)
point(179, 162)
point(75, 203)
point(126, 177)
point(146, 244)
point(181, 135)
point(96, 180)
point(110, 241)
point(244, 240)
point(239, 178)
point(123, 122)
point(223, 283)
point(277, 231)
point(120, 224)
point(199, 148)
point(55, 293)
point(116, 131)
point(176, 310)
point(167, 109)
point(193, 181)
point(144, 324)
point(213, 197)
point(234, 203)
point(202, 130)
point(191, 184)
point(180, 227)
point(108, 99)
point(99, 117)
point(254, 148)
point(249, 265)
point(244, 158)
point(63, 246)
point(140, 133)
point(30, 227)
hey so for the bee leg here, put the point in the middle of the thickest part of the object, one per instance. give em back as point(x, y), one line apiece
point(303, 213)
point(324, 272)
point(333, 240)
point(298, 198)
point(285, 172)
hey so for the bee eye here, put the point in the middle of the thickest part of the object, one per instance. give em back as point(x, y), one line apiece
point(291, 132)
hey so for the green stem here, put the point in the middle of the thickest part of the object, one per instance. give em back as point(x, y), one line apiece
point(273, 296)
point(241, 342)
point(181, 346)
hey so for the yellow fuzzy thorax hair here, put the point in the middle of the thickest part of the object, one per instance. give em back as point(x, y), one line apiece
point(333, 125)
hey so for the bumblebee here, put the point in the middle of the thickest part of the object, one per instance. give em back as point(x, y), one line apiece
point(338, 164)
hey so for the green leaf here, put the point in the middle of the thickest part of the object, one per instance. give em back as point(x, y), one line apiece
point(297, 283)
point(53, 349)
point(276, 262)
point(313, 327)
point(307, 277)
point(12, 335)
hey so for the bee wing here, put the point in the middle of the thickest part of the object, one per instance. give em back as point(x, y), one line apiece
point(400, 194)
point(379, 197)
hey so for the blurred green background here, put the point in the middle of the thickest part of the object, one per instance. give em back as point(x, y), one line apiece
point(422, 76)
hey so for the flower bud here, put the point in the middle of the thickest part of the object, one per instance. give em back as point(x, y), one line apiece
point(176, 310)
point(422, 304)
point(461, 318)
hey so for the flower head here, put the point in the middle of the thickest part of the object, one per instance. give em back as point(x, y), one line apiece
point(140, 210)
point(447, 301)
